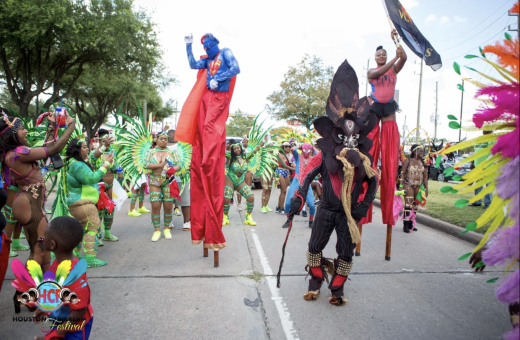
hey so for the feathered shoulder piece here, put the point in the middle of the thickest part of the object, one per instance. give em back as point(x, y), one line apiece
point(261, 157)
point(134, 139)
point(184, 152)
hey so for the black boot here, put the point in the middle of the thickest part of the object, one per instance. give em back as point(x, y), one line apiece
point(315, 283)
point(337, 295)
point(304, 213)
point(406, 226)
point(286, 224)
point(310, 224)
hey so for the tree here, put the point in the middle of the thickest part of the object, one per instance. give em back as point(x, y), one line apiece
point(101, 92)
point(303, 93)
point(46, 45)
point(239, 125)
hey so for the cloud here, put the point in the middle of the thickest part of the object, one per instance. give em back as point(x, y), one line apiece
point(459, 19)
point(431, 18)
point(409, 4)
point(444, 19)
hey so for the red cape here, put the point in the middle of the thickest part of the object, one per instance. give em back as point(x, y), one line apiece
point(187, 124)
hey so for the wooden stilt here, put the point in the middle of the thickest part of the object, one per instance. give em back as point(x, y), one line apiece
point(358, 246)
point(388, 242)
point(205, 249)
point(215, 258)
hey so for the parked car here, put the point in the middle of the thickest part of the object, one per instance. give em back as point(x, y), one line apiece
point(437, 174)
point(256, 180)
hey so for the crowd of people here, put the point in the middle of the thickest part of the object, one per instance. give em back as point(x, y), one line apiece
point(335, 176)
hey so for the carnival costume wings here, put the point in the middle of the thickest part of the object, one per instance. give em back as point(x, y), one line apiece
point(263, 161)
point(499, 173)
point(135, 140)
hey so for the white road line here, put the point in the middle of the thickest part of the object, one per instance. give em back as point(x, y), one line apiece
point(283, 312)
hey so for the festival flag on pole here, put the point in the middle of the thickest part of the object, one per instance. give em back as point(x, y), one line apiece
point(410, 34)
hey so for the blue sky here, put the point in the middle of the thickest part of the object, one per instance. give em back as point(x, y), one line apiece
point(267, 37)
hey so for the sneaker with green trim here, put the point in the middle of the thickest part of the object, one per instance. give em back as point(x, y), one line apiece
point(267, 209)
point(16, 245)
point(156, 236)
point(93, 262)
point(109, 237)
point(133, 213)
point(249, 220)
point(226, 220)
point(143, 210)
point(13, 253)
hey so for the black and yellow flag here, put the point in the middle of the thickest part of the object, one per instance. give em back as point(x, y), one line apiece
point(411, 35)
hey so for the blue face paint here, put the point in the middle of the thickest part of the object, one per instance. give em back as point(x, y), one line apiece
point(211, 47)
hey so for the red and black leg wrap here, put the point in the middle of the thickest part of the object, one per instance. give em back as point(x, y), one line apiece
point(315, 270)
point(340, 276)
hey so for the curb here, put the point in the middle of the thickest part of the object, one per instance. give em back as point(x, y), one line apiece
point(445, 227)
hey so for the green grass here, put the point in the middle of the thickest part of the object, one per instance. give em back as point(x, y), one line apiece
point(441, 206)
point(255, 276)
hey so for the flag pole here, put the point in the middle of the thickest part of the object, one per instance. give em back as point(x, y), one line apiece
point(396, 41)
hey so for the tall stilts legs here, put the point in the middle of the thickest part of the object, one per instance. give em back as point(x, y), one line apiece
point(215, 255)
point(388, 242)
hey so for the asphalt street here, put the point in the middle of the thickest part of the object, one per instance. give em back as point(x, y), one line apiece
point(168, 290)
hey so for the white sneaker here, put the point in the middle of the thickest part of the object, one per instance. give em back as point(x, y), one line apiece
point(171, 225)
point(186, 226)
point(239, 207)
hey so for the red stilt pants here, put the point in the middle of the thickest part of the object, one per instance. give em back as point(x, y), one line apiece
point(389, 165)
point(207, 170)
point(374, 152)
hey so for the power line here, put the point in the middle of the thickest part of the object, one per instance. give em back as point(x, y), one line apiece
point(507, 1)
point(500, 17)
point(485, 72)
point(478, 59)
point(501, 31)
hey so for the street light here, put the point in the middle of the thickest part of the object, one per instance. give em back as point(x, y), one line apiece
point(461, 105)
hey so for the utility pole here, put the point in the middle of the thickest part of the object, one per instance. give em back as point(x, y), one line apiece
point(175, 112)
point(461, 105)
point(419, 105)
point(366, 83)
point(436, 104)
point(517, 22)
point(404, 131)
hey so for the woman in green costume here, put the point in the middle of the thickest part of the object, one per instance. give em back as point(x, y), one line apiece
point(97, 159)
point(82, 195)
point(159, 160)
point(236, 169)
